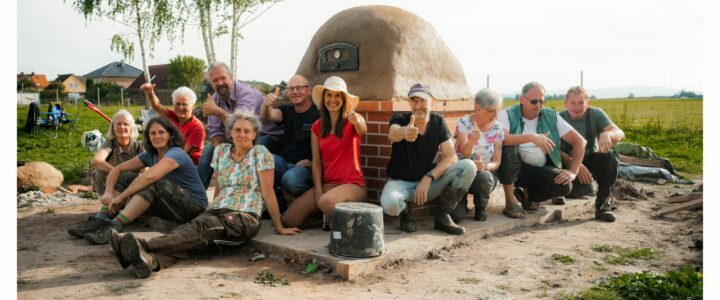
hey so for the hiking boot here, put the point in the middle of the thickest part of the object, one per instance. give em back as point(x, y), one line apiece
point(446, 203)
point(558, 200)
point(407, 221)
point(90, 225)
point(115, 242)
point(101, 236)
point(460, 210)
point(604, 215)
point(144, 262)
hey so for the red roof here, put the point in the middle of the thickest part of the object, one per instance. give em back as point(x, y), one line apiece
point(40, 80)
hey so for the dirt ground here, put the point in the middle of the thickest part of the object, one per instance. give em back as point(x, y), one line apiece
point(513, 265)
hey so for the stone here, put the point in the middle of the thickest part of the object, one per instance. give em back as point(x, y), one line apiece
point(396, 49)
point(38, 175)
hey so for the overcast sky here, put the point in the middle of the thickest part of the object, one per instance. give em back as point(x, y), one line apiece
point(616, 43)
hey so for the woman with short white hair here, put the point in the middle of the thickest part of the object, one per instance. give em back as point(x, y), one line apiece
point(191, 129)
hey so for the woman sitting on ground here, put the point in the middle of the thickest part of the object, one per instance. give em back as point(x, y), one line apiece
point(192, 129)
point(170, 189)
point(335, 143)
point(120, 147)
point(243, 183)
point(480, 138)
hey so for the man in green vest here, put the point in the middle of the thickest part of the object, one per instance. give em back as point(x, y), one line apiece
point(600, 161)
point(531, 152)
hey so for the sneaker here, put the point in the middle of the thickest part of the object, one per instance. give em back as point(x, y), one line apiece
point(143, 262)
point(116, 242)
point(606, 216)
point(90, 225)
point(558, 200)
point(101, 236)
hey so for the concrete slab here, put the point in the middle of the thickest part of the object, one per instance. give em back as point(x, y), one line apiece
point(311, 244)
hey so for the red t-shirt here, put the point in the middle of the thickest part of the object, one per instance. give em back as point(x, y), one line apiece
point(340, 157)
point(192, 131)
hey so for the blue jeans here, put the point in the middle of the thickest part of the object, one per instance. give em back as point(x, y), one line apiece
point(204, 169)
point(397, 193)
point(291, 178)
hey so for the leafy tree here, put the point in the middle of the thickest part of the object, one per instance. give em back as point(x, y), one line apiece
point(26, 84)
point(109, 92)
point(54, 89)
point(148, 19)
point(687, 94)
point(631, 95)
point(187, 71)
point(243, 13)
point(592, 97)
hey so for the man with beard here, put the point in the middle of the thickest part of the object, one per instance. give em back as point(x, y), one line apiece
point(292, 166)
point(413, 176)
point(230, 95)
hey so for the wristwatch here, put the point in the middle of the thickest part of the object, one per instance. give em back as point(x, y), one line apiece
point(429, 174)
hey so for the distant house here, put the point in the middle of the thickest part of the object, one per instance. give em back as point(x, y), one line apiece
point(40, 80)
point(118, 72)
point(74, 85)
point(160, 73)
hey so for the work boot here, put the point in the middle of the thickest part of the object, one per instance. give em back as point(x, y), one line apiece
point(144, 262)
point(558, 200)
point(407, 221)
point(90, 225)
point(101, 236)
point(115, 242)
point(480, 206)
point(604, 215)
point(446, 204)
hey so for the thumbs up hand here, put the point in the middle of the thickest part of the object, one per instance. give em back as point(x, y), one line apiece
point(411, 132)
point(271, 99)
point(353, 117)
point(475, 133)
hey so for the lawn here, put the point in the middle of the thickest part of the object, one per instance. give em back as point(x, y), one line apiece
point(671, 127)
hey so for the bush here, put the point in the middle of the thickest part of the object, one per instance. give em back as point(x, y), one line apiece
point(684, 283)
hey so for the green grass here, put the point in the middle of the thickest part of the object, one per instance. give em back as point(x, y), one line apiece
point(563, 259)
point(673, 128)
point(684, 283)
point(64, 152)
point(625, 256)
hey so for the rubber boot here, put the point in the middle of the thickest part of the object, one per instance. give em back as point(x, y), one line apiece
point(480, 206)
point(407, 221)
point(460, 210)
point(446, 204)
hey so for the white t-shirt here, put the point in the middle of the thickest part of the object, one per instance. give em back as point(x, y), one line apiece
point(485, 146)
point(529, 153)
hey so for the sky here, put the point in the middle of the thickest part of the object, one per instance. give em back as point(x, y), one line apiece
point(615, 43)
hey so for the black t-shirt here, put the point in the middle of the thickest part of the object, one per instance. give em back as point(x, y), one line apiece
point(410, 161)
point(296, 139)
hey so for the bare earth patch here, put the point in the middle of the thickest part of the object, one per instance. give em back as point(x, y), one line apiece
point(542, 261)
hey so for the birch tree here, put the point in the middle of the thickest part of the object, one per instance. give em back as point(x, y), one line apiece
point(243, 13)
point(149, 20)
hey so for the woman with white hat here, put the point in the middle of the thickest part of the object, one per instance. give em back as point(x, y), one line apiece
point(336, 167)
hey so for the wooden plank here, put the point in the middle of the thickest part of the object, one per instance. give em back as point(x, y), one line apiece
point(680, 207)
point(640, 161)
point(685, 198)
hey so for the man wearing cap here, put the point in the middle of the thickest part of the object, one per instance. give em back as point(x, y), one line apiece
point(536, 164)
point(413, 176)
point(599, 161)
point(230, 94)
point(292, 167)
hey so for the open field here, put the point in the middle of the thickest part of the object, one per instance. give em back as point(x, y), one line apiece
point(671, 127)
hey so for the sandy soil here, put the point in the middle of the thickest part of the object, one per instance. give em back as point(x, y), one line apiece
point(514, 265)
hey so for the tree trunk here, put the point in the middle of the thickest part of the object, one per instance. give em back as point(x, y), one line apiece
point(237, 11)
point(206, 29)
point(141, 40)
point(210, 33)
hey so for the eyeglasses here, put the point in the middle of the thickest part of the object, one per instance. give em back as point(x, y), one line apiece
point(535, 101)
point(297, 88)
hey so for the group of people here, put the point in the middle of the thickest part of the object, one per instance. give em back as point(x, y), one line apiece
point(294, 161)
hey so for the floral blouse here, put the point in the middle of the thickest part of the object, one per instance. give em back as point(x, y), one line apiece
point(485, 146)
point(239, 182)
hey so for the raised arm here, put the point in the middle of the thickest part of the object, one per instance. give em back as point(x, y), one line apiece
point(357, 121)
point(153, 99)
point(268, 112)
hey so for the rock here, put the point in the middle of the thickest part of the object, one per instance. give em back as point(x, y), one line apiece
point(38, 175)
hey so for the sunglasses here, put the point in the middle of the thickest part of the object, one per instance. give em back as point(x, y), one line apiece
point(535, 101)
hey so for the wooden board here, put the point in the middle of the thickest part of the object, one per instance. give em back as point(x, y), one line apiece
point(640, 161)
point(679, 207)
point(685, 198)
